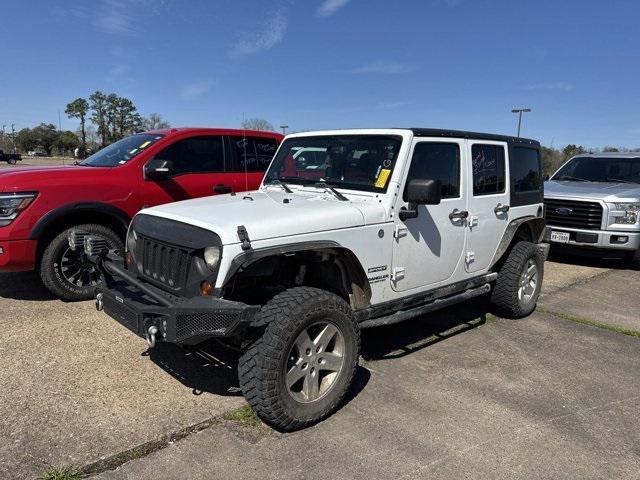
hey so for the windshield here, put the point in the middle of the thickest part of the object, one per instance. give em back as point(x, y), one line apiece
point(597, 169)
point(356, 162)
point(122, 151)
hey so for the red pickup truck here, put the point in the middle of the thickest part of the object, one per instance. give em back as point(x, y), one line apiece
point(41, 206)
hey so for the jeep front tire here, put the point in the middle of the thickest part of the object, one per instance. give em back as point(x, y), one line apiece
point(296, 369)
point(517, 288)
point(67, 273)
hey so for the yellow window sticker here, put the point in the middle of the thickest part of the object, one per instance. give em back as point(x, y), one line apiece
point(145, 144)
point(382, 178)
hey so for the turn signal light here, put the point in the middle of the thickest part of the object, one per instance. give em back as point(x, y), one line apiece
point(128, 259)
point(206, 288)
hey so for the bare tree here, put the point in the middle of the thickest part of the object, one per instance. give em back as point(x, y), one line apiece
point(155, 122)
point(259, 124)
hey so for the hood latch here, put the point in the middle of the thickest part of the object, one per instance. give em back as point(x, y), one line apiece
point(243, 236)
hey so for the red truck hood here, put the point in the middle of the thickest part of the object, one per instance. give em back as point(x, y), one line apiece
point(32, 178)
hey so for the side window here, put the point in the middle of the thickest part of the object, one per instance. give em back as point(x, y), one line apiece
point(437, 161)
point(488, 169)
point(254, 153)
point(195, 155)
point(525, 170)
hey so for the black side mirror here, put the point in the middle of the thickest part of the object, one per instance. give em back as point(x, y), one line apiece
point(158, 169)
point(421, 192)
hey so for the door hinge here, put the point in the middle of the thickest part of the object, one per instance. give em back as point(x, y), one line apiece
point(397, 274)
point(473, 221)
point(399, 232)
point(469, 257)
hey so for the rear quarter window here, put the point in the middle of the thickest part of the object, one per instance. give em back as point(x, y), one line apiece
point(525, 170)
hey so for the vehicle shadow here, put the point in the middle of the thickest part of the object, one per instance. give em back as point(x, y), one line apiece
point(23, 286)
point(589, 260)
point(396, 341)
point(211, 367)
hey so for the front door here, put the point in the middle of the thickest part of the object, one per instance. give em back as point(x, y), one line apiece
point(199, 170)
point(488, 202)
point(428, 249)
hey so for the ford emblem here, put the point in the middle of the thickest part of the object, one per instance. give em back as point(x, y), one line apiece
point(564, 211)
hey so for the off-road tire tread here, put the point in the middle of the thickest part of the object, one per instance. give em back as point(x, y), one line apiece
point(504, 296)
point(258, 362)
point(46, 269)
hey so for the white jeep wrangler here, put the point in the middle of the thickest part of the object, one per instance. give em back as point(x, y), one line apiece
point(350, 229)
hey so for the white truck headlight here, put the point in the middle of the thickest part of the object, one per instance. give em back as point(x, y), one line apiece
point(626, 213)
point(11, 204)
point(212, 257)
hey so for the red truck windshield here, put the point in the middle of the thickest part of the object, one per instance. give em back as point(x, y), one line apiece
point(122, 151)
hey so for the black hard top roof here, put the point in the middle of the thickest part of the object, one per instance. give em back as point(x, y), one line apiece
point(435, 132)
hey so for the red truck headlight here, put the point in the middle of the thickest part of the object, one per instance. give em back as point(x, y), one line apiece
point(12, 204)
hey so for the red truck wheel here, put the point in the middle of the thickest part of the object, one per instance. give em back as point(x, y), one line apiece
point(65, 272)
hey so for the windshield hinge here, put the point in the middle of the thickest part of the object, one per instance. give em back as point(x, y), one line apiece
point(243, 236)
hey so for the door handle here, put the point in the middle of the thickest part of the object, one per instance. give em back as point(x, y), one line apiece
point(501, 208)
point(458, 214)
point(220, 188)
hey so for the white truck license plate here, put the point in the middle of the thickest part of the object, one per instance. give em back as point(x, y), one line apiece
point(560, 237)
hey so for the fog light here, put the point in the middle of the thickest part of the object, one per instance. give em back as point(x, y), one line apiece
point(206, 288)
point(1, 250)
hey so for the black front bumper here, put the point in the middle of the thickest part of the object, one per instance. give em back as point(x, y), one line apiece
point(139, 306)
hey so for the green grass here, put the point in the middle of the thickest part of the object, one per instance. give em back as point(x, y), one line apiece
point(593, 323)
point(59, 473)
point(244, 415)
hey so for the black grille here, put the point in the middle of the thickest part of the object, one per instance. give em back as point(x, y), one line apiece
point(573, 214)
point(165, 264)
point(192, 324)
point(121, 313)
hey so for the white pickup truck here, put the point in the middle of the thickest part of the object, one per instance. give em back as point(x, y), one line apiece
point(378, 227)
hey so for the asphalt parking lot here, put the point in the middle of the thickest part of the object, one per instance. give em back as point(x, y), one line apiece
point(456, 394)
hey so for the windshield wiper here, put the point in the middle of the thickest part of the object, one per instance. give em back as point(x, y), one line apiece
point(284, 186)
point(617, 180)
point(338, 195)
point(575, 179)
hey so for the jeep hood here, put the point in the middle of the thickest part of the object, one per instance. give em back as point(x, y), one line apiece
point(609, 192)
point(32, 178)
point(267, 214)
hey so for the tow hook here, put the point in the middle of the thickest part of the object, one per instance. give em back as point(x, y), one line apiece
point(151, 336)
point(99, 302)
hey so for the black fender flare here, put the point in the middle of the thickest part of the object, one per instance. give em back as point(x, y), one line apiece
point(360, 287)
point(69, 209)
point(537, 225)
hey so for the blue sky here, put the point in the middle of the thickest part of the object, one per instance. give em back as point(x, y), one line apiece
point(315, 64)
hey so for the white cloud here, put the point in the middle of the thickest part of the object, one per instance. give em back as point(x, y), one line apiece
point(195, 90)
point(114, 17)
point(329, 7)
point(265, 38)
point(387, 68)
point(563, 86)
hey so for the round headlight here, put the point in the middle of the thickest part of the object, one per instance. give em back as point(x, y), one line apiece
point(212, 256)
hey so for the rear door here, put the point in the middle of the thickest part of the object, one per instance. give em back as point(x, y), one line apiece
point(250, 157)
point(428, 249)
point(199, 170)
point(488, 202)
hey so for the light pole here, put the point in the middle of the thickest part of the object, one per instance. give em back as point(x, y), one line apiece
point(520, 111)
point(284, 129)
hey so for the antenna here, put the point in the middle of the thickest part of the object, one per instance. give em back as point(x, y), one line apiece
point(244, 146)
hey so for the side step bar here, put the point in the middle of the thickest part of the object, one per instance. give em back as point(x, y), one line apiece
point(403, 315)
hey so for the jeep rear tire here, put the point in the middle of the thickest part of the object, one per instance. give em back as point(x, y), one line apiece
point(296, 369)
point(68, 274)
point(519, 281)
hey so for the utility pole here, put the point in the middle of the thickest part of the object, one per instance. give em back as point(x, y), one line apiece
point(520, 111)
point(284, 129)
